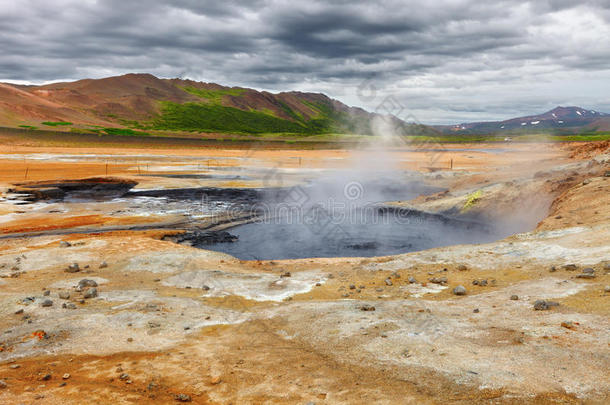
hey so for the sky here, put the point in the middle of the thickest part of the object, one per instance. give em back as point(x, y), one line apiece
point(436, 62)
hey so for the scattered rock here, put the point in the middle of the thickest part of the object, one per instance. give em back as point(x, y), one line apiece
point(367, 307)
point(45, 377)
point(64, 295)
point(90, 293)
point(570, 267)
point(588, 270)
point(14, 366)
point(65, 376)
point(607, 289)
point(124, 376)
point(3, 384)
point(480, 283)
point(586, 275)
point(412, 280)
point(46, 303)
point(476, 310)
point(103, 265)
point(543, 305)
point(459, 290)
point(553, 269)
point(85, 283)
point(183, 398)
point(438, 280)
point(64, 244)
point(352, 287)
point(388, 282)
point(216, 380)
point(19, 311)
point(68, 305)
point(46, 293)
point(568, 325)
point(286, 274)
point(462, 267)
point(514, 297)
point(73, 268)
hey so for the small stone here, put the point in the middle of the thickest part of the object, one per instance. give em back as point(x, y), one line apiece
point(183, 398)
point(438, 280)
point(64, 295)
point(90, 293)
point(68, 305)
point(216, 380)
point(607, 289)
point(130, 340)
point(286, 274)
point(367, 307)
point(588, 270)
point(124, 376)
point(73, 268)
point(65, 376)
point(46, 303)
point(412, 280)
point(85, 282)
point(103, 265)
point(514, 297)
point(204, 288)
point(586, 275)
point(480, 283)
point(542, 305)
point(476, 310)
point(388, 282)
point(3, 384)
point(45, 377)
point(553, 269)
point(570, 267)
point(64, 244)
point(19, 311)
point(352, 287)
point(607, 266)
point(46, 293)
point(568, 325)
point(14, 366)
point(462, 267)
point(459, 290)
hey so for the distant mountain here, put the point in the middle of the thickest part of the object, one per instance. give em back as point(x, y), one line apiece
point(133, 104)
point(558, 120)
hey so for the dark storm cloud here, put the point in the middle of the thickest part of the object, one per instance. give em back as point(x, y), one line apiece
point(447, 60)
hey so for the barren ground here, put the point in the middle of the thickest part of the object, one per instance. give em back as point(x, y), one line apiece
point(154, 332)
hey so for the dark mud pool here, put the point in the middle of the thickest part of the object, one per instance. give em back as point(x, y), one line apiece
point(318, 221)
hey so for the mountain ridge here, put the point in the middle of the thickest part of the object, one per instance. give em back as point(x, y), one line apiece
point(559, 119)
point(142, 102)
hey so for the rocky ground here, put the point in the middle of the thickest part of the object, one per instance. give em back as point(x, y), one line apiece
point(129, 316)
